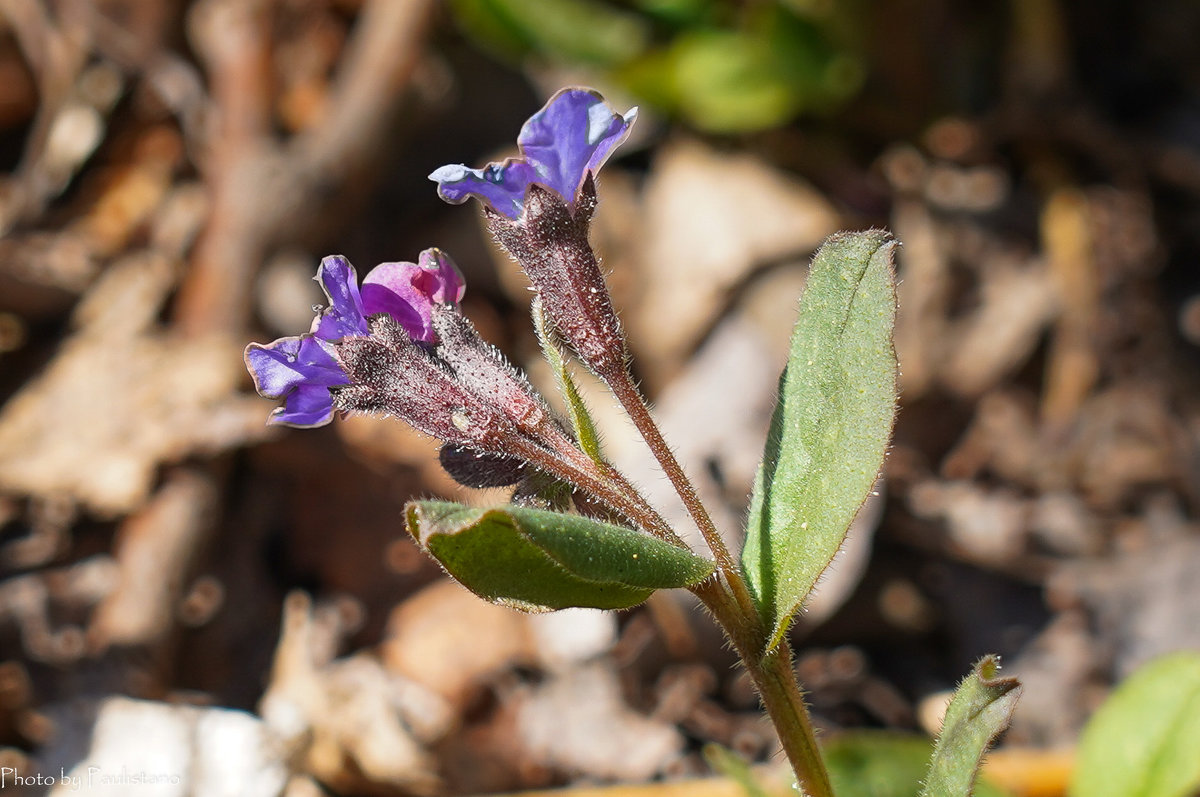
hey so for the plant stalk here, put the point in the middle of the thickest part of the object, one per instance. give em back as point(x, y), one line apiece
point(575, 467)
point(728, 597)
point(622, 385)
point(775, 680)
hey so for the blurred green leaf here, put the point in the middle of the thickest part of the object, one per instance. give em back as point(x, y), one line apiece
point(1145, 740)
point(820, 73)
point(734, 767)
point(729, 82)
point(830, 429)
point(725, 67)
point(773, 65)
point(536, 560)
point(876, 764)
point(882, 764)
point(583, 31)
point(981, 708)
point(680, 12)
point(724, 81)
point(488, 24)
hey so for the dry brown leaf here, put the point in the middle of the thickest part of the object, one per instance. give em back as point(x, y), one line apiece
point(1016, 302)
point(350, 722)
point(122, 397)
point(579, 723)
point(449, 640)
point(711, 219)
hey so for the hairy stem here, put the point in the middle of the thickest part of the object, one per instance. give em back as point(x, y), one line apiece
point(726, 595)
point(781, 694)
point(775, 680)
point(730, 601)
point(575, 467)
point(622, 385)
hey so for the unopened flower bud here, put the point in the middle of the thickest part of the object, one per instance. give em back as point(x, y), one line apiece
point(391, 374)
point(550, 242)
point(481, 368)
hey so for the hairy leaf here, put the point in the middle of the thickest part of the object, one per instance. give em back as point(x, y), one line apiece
point(981, 708)
point(537, 560)
point(837, 398)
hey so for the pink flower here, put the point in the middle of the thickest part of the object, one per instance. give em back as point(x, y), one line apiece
point(302, 369)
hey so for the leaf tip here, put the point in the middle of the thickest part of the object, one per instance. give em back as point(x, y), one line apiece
point(987, 670)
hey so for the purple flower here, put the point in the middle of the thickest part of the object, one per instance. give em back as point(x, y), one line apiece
point(560, 145)
point(302, 369)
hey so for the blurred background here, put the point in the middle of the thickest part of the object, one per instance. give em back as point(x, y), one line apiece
point(190, 598)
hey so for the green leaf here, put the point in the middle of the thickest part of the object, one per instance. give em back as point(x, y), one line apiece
point(1145, 740)
point(489, 25)
point(679, 12)
point(537, 560)
point(574, 30)
point(728, 82)
point(981, 708)
point(581, 419)
point(882, 764)
point(837, 398)
point(773, 65)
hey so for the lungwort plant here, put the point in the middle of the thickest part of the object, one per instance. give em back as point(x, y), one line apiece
point(398, 345)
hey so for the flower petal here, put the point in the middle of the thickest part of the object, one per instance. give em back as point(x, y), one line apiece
point(290, 362)
point(274, 367)
point(573, 134)
point(500, 185)
point(300, 370)
point(408, 291)
point(445, 274)
point(305, 407)
point(344, 316)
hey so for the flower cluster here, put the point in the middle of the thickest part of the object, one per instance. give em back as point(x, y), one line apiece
point(399, 345)
point(459, 389)
point(303, 369)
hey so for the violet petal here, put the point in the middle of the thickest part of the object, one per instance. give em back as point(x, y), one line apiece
point(499, 185)
point(408, 291)
point(306, 406)
point(573, 134)
point(290, 362)
point(344, 316)
point(447, 280)
point(300, 370)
